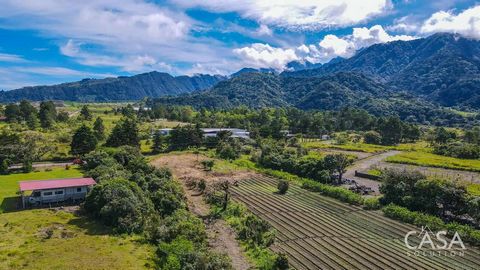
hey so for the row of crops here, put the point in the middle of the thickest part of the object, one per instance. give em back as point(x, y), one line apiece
point(317, 232)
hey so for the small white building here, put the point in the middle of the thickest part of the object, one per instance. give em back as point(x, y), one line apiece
point(213, 132)
point(54, 191)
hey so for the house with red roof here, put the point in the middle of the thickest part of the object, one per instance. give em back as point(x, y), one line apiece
point(55, 190)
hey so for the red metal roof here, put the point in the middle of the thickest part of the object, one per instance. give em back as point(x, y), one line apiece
point(56, 183)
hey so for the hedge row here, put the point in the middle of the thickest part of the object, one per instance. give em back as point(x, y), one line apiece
point(467, 233)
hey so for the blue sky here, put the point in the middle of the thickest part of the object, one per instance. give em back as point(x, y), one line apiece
point(55, 41)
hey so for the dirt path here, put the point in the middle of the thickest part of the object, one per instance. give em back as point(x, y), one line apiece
point(363, 165)
point(221, 236)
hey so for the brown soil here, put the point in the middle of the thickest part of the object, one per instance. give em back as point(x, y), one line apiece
point(220, 235)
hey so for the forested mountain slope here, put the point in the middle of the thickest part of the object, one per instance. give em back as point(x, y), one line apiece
point(152, 84)
point(444, 68)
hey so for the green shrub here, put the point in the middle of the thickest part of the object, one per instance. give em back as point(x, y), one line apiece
point(282, 186)
point(281, 262)
point(466, 232)
point(208, 164)
point(372, 203)
point(331, 191)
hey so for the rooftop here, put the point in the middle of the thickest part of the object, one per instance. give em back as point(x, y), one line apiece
point(55, 183)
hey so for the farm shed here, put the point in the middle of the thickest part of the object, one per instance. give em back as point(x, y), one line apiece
point(55, 190)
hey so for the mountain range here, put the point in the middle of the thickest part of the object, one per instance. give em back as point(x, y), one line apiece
point(440, 70)
point(409, 78)
point(152, 84)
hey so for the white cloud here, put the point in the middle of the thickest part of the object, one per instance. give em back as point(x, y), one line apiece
point(129, 63)
point(264, 30)
point(263, 55)
point(466, 23)
point(58, 71)
point(331, 46)
point(298, 14)
point(135, 35)
point(4, 57)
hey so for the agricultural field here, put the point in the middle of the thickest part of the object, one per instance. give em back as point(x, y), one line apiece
point(319, 232)
point(420, 158)
point(57, 239)
point(365, 147)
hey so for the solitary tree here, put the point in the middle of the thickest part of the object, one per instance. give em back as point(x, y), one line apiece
point(47, 114)
point(85, 113)
point(224, 186)
point(99, 129)
point(337, 163)
point(83, 141)
point(282, 186)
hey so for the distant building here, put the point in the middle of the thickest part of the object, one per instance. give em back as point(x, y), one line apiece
point(56, 190)
point(326, 137)
point(213, 132)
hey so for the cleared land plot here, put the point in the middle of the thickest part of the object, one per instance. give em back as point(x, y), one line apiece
point(321, 233)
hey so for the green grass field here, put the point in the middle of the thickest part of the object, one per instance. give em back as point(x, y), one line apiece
point(49, 239)
point(75, 243)
point(431, 160)
point(367, 148)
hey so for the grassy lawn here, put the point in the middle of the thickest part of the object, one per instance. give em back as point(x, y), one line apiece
point(48, 239)
point(431, 160)
point(75, 243)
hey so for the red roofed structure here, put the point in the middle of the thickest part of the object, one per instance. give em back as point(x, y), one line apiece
point(56, 183)
point(55, 190)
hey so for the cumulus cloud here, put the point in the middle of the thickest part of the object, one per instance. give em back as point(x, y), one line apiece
point(466, 23)
point(331, 46)
point(297, 14)
point(263, 55)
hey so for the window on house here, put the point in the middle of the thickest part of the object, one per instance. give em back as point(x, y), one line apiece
point(79, 189)
point(48, 193)
point(59, 192)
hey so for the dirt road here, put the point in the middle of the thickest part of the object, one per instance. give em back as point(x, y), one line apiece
point(220, 235)
point(363, 165)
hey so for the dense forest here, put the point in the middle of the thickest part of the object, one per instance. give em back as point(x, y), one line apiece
point(152, 84)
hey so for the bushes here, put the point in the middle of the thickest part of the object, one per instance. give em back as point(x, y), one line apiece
point(372, 137)
point(229, 149)
point(208, 164)
point(372, 204)
point(339, 193)
point(181, 253)
point(254, 233)
point(282, 186)
point(466, 232)
point(458, 150)
point(120, 204)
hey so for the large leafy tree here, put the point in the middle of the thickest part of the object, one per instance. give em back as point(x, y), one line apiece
point(124, 133)
point(391, 130)
point(185, 136)
point(83, 141)
point(47, 114)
